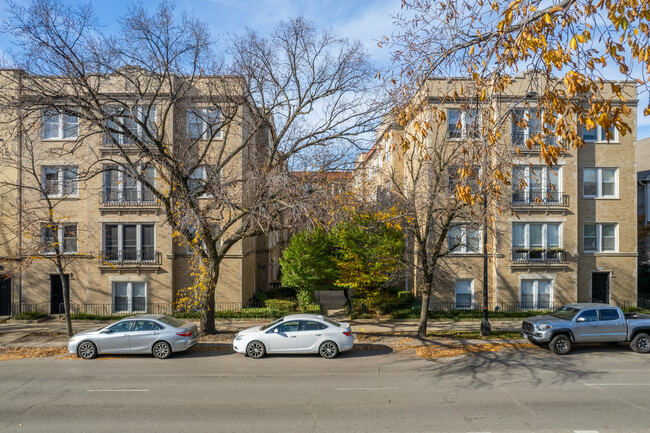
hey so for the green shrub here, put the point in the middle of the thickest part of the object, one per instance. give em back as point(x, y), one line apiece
point(312, 309)
point(189, 315)
point(86, 316)
point(280, 305)
point(31, 315)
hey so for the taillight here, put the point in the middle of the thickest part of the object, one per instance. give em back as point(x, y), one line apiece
point(348, 333)
point(185, 334)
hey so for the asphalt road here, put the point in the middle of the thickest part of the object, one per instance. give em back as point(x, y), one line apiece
point(593, 389)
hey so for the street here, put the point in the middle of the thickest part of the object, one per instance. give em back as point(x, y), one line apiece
point(594, 389)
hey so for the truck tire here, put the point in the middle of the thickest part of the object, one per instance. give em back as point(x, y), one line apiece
point(560, 344)
point(640, 343)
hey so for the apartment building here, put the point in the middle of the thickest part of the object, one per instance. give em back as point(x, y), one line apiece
point(121, 255)
point(565, 233)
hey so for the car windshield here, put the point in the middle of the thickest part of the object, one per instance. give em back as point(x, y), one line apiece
point(171, 321)
point(275, 322)
point(565, 313)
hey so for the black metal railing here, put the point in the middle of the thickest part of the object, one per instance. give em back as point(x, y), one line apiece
point(128, 256)
point(535, 197)
point(127, 197)
point(534, 255)
point(505, 307)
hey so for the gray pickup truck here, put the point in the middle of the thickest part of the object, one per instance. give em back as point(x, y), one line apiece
point(588, 323)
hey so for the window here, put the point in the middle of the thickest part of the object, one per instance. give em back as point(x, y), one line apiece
point(598, 134)
point(464, 176)
point(123, 125)
point(129, 242)
point(588, 316)
point(146, 325)
point(536, 294)
point(119, 187)
point(64, 235)
point(607, 314)
point(599, 238)
point(464, 294)
point(464, 238)
point(121, 326)
point(60, 181)
point(600, 182)
point(129, 297)
point(203, 123)
point(59, 126)
point(291, 326)
point(463, 124)
point(536, 184)
point(536, 241)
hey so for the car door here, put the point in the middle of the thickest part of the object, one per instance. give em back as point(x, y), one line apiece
point(612, 325)
point(587, 326)
point(309, 335)
point(115, 338)
point(282, 338)
point(143, 335)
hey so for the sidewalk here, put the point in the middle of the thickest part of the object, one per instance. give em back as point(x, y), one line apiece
point(368, 333)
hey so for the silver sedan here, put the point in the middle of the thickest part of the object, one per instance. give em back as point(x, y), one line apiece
point(150, 333)
point(298, 333)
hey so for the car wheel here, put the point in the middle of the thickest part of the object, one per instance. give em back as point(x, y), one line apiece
point(255, 349)
point(328, 349)
point(641, 343)
point(87, 350)
point(560, 344)
point(161, 350)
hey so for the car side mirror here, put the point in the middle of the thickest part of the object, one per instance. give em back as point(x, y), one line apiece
point(581, 319)
point(106, 331)
point(276, 330)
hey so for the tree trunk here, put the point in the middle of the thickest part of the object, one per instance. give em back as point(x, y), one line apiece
point(207, 307)
point(424, 311)
point(66, 301)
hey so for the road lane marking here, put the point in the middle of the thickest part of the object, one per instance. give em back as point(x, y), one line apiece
point(365, 389)
point(118, 390)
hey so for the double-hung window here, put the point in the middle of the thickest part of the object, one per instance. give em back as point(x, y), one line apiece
point(464, 294)
point(123, 126)
point(536, 294)
point(525, 124)
point(599, 237)
point(536, 241)
point(598, 134)
point(464, 238)
point(463, 124)
point(60, 181)
point(129, 242)
point(536, 184)
point(64, 235)
point(120, 187)
point(600, 182)
point(59, 126)
point(129, 296)
point(203, 123)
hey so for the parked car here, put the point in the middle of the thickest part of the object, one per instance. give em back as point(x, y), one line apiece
point(297, 333)
point(150, 333)
point(588, 323)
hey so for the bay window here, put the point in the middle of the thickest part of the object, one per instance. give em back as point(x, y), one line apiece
point(129, 242)
point(536, 184)
point(120, 187)
point(536, 241)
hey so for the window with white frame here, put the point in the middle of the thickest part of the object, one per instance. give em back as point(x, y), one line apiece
point(64, 235)
point(464, 294)
point(129, 296)
point(463, 124)
point(536, 241)
point(59, 126)
point(120, 187)
point(600, 182)
point(599, 237)
point(129, 242)
point(528, 122)
point(123, 125)
point(536, 183)
point(599, 135)
point(536, 294)
point(200, 178)
point(60, 181)
point(464, 239)
point(203, 123)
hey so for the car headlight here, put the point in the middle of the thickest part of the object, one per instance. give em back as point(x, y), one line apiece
point(238, 337)
point(543, 327)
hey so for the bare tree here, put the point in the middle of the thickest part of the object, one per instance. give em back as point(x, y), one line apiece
point(222, 172)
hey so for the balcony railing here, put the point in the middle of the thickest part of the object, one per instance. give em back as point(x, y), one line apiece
point(536, 197)
point(147, 256)
point(127, 197)
point(552, 255)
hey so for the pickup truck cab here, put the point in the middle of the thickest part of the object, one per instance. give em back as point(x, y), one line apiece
point(588, 323)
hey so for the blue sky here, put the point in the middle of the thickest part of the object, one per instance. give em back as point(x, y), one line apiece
point(366, 20)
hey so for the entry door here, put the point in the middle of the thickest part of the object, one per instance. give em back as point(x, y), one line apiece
point(5, 297)
point(600, 287)
point(56, 293)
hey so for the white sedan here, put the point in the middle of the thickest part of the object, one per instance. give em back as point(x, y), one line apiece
point(298, 333)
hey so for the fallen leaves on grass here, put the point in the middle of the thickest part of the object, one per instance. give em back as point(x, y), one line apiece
point(456, 350)
point(30, 352)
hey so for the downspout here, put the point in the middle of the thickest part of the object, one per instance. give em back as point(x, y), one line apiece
point(20, 189)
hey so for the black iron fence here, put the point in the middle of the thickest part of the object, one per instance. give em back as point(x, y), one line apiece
point(536, 197)
point(144, 255)
point(517, 307)
point(533, 255)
